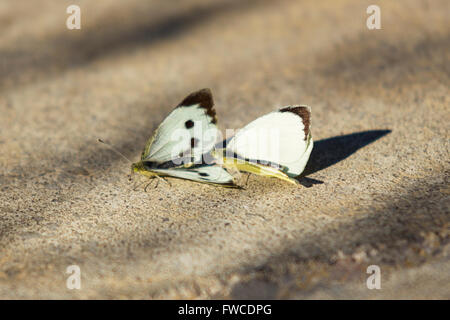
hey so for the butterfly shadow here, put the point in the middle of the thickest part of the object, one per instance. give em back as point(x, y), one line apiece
point(327, 152)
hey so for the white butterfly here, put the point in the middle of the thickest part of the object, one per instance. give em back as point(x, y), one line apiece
point(277, 144)
point(179, 144)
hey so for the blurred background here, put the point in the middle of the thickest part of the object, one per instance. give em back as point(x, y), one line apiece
point(378, 176)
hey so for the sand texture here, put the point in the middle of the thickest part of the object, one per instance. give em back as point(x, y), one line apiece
point(378, 177)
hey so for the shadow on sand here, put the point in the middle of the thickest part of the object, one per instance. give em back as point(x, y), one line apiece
point(330, 151)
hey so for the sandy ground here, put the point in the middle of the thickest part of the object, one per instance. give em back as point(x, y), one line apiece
point(378, 177)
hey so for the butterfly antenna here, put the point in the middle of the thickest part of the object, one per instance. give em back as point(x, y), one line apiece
point(114, 150)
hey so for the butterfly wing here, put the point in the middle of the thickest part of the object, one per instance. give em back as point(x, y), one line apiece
point(281, 137)
point(189, 129)
point(205, 174)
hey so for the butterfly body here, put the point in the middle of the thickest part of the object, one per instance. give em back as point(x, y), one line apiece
point(258, 169)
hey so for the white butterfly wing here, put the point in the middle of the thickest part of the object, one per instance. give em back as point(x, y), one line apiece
point(206, 174)
point(282, 137)
point(189, 129)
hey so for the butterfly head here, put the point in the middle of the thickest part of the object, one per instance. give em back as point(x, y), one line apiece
point(138, 167)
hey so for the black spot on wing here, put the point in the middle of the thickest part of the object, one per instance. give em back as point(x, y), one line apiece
point(203, 174)
point(189, 124)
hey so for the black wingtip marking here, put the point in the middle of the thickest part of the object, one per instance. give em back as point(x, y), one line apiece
point(203, 98)
point(303, 112)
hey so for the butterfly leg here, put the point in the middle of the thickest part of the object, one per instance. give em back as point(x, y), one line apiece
point(148, 184)
point(136, 185)
point(163, 179)
point(248, 177)
point(167, 181)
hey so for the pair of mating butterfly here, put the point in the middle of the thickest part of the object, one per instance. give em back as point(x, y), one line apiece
point(184, 157)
